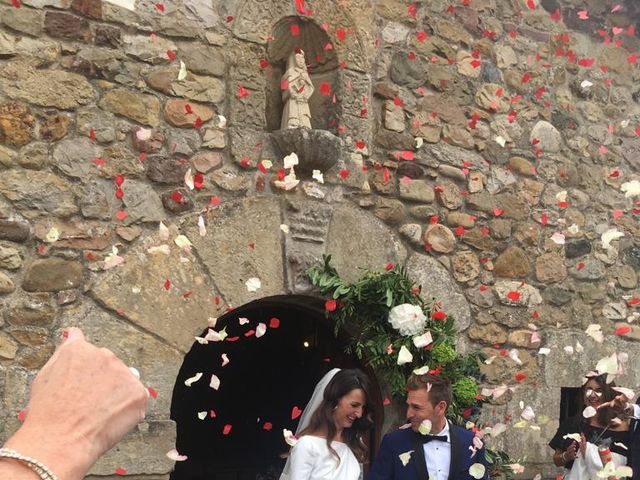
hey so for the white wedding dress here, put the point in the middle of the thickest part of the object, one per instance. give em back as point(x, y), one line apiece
point(587, 468)
point(310, 459)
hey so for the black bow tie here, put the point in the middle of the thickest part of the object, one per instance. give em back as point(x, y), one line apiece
point(429, 438)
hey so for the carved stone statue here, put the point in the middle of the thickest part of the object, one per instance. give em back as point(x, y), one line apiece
point(296, 96)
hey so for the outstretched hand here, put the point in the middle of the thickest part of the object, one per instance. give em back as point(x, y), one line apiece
point(83, 401)
point(620, 403)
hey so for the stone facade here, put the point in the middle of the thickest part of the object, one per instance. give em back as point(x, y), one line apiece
point(489, 145)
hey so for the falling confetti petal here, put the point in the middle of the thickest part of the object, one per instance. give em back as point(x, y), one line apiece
point(261, 329)
point(175, 456)
point(589, 412)
point(289, 437)
point(190, 381)
point(477, 470)
point(215, 382)
point(609, 236)
point(253, 284)
point(404, 356)
point(405, 457)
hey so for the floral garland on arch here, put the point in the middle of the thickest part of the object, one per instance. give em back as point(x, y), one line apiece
point(396, 332)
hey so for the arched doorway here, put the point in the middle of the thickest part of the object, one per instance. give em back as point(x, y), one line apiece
point(235, 432)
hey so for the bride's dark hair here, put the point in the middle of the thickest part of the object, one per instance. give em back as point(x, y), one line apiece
point(322, 420)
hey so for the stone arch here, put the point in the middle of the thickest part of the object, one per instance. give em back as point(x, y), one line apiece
point(265, 379)
point(176, 290)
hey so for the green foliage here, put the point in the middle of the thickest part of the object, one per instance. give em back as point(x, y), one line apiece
point(465, 391)
point(443, 353)
point(363, 311)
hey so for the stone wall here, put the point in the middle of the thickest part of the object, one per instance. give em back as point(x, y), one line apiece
point(490, 145)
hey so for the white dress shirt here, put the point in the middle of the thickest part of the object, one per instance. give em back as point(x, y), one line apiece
point(438, 455)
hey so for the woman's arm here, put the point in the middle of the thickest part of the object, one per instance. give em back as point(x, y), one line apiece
point(83, 401)
point(303, 459)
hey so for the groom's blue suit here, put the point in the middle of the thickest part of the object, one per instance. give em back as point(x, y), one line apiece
point(388, 466)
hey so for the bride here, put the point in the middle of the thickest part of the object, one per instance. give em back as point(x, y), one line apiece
point(330, 445)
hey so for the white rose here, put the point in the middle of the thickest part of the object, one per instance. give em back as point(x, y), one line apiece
point(407, 319)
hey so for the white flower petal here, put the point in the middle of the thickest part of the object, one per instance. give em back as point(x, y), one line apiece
point(497, 429)
point(317, 176)
point(608, 365)
point(202, 229)
point(215, 382)
point(182, 73)
point(544, 351)
point(423, 340)
point(477, 470)
point(589, 412)
point(561, 196)
point(404, 356)
point(528, 414)
point(405, 457)
point(609, 236)
point(188, 179)
point(261, 329)
point(290, 161)
point(289, 437)
point(175, 456)
point(202, 415)
point(163, 232)
point(225, 359)
point(183, 242)
point(425, 427)
point(421, 370)
point(572, 436)
point(595, 331)
point(631, 189)
point(190, 381)
point(558, 238)
point(253, 284)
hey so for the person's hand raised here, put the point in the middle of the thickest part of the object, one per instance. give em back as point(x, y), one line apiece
point(620, 403)
point(82, 402)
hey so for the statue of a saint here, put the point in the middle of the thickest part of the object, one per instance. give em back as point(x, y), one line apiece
point(296, 96)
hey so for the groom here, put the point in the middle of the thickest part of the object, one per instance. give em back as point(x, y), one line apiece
point(446, 453)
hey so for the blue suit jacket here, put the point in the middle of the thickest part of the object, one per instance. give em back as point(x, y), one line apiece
point(388, 466)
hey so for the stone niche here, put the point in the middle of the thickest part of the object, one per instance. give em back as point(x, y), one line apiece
point(304, 33)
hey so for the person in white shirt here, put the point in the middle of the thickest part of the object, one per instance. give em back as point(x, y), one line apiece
point(446, 452)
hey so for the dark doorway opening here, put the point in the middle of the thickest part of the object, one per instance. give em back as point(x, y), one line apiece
point(570, 402)
point(264, 380)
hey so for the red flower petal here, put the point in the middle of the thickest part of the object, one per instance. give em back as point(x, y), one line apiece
point(121, 471)
point(623, 330)
point(439, 315)
point(513, 295)
point(330, 305)
point(295, 412)
point(520, 376)
point(274, 323)
point(227, 429)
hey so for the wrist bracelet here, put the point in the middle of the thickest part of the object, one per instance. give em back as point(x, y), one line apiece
point(38, 467)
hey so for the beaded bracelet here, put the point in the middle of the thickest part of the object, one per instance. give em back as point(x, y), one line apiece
point(41, 469)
